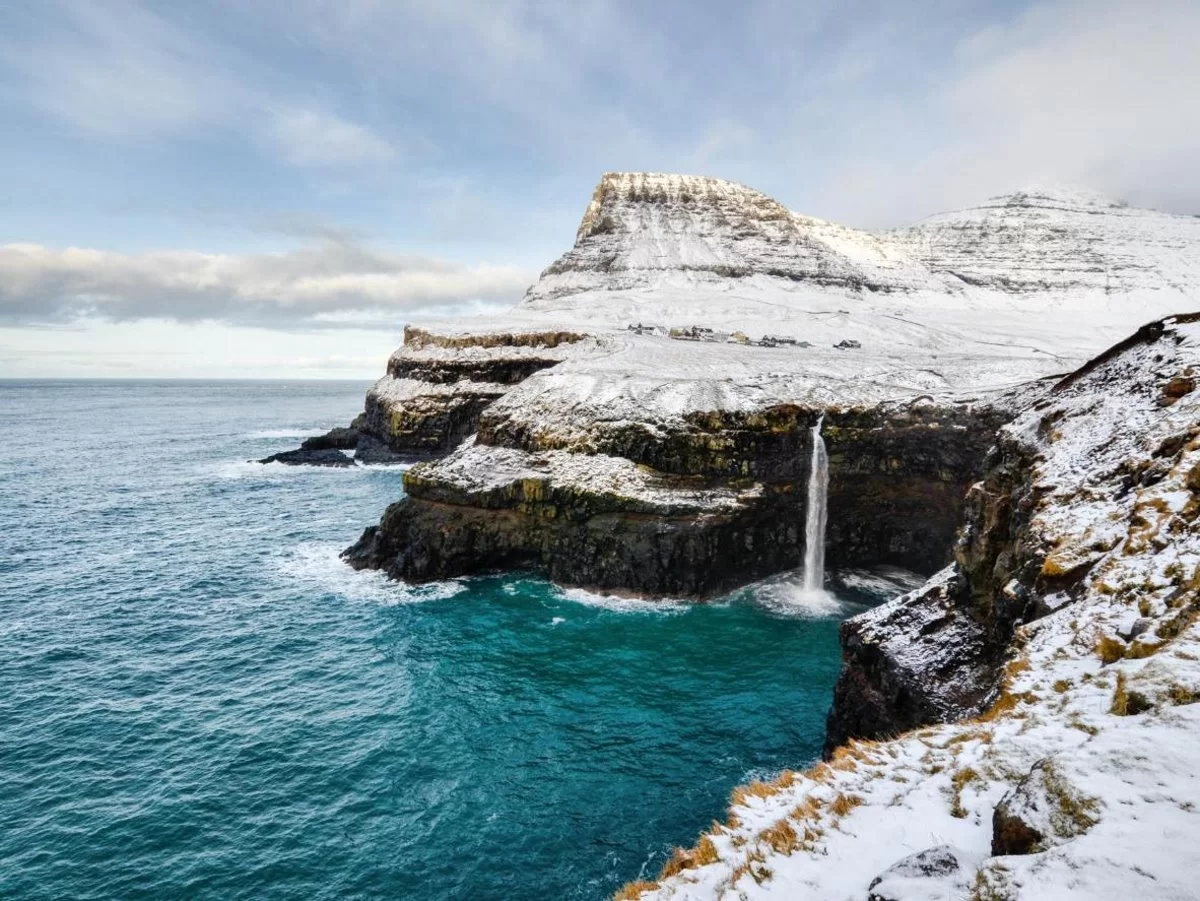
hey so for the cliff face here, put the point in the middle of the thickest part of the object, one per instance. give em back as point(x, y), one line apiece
point(1054, 665)
point(1099, 435)
point(689, 511)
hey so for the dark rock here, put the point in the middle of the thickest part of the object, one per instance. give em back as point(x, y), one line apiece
point(1040, 811)
point(577, 539)
point(310, 458)
point(335, 439)
point(372, 450)
point(1139, 627)
point(924, 872)
point(920, 659)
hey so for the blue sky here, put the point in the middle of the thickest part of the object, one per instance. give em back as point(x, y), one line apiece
point(274, 187)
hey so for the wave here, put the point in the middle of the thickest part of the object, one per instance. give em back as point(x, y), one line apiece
point(319, 568)
point(619, 604)
point(252, 469)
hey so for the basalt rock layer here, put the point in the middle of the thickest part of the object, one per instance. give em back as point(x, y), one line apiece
point(689, 511)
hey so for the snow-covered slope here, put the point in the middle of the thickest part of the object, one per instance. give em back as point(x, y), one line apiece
point(686, 250)
point(641, 226)
point(1056, 241)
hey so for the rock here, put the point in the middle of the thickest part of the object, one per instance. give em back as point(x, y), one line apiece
point(1042, 810)
point(848, 344)
point(304, 457)
point(919, 659)
point(930, 875)
point(1139, 626)
point(1176, 388)
point(335, 439)
point(896, 483)
point(373, 450)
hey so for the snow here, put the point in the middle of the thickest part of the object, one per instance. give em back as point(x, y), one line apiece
point(479, 470)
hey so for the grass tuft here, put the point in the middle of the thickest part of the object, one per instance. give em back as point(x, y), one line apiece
point(1110, 649)
point(781, 837)
point(704, 853)
point(960, 780)
point(844, 803)
point(1126, 702)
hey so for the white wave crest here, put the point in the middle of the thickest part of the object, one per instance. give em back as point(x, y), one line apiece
point(319, 568)
point(618, 604)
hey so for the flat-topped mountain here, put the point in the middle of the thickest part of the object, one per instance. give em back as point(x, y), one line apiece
point(639, 226)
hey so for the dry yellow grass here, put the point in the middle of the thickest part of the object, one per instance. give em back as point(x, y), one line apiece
point(781, 837)
point(682, 859)
point(1005, 703)
point(960, 780)
point(1110, 649)
point(756, 789)
point(1126, 702)
point(808, 809)
point(844, 803)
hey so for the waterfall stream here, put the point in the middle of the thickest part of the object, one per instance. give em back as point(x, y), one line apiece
point(816, 514)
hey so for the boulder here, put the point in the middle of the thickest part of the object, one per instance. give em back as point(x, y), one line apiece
point(930, 875)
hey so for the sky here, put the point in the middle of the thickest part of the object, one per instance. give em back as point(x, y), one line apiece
point(272, 188)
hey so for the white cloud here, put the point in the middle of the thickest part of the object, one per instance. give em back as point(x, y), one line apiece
point(1099, 94)
point(122, 72)
point(305, 137)
point(329, 285)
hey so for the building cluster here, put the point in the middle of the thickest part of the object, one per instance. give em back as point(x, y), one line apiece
point(701, 333)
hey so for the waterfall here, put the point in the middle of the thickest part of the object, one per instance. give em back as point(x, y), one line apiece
point(816, 514)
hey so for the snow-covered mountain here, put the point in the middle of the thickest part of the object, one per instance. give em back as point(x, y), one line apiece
point(1056, 241)
point(676, 248)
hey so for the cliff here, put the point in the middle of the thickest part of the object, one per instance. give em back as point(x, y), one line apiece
point(1051, 671)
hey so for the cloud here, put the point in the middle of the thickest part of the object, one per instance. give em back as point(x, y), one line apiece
point(305, 137)
point(122, 72)
point(1099, 94)
point(327, 285)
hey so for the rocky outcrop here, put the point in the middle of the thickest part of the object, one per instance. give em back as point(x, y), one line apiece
point(598, 521)
point(933, 873)
point(938, 654)
point(435, 389)
point(646, 508)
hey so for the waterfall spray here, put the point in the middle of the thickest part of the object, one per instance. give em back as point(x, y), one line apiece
point(816, 514)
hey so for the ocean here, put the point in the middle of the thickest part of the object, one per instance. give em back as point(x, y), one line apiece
point(199, 700)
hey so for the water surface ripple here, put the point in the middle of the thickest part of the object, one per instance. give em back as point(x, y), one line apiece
point(198, 700)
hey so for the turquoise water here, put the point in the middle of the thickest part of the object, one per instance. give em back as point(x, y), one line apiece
point(198, 700)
